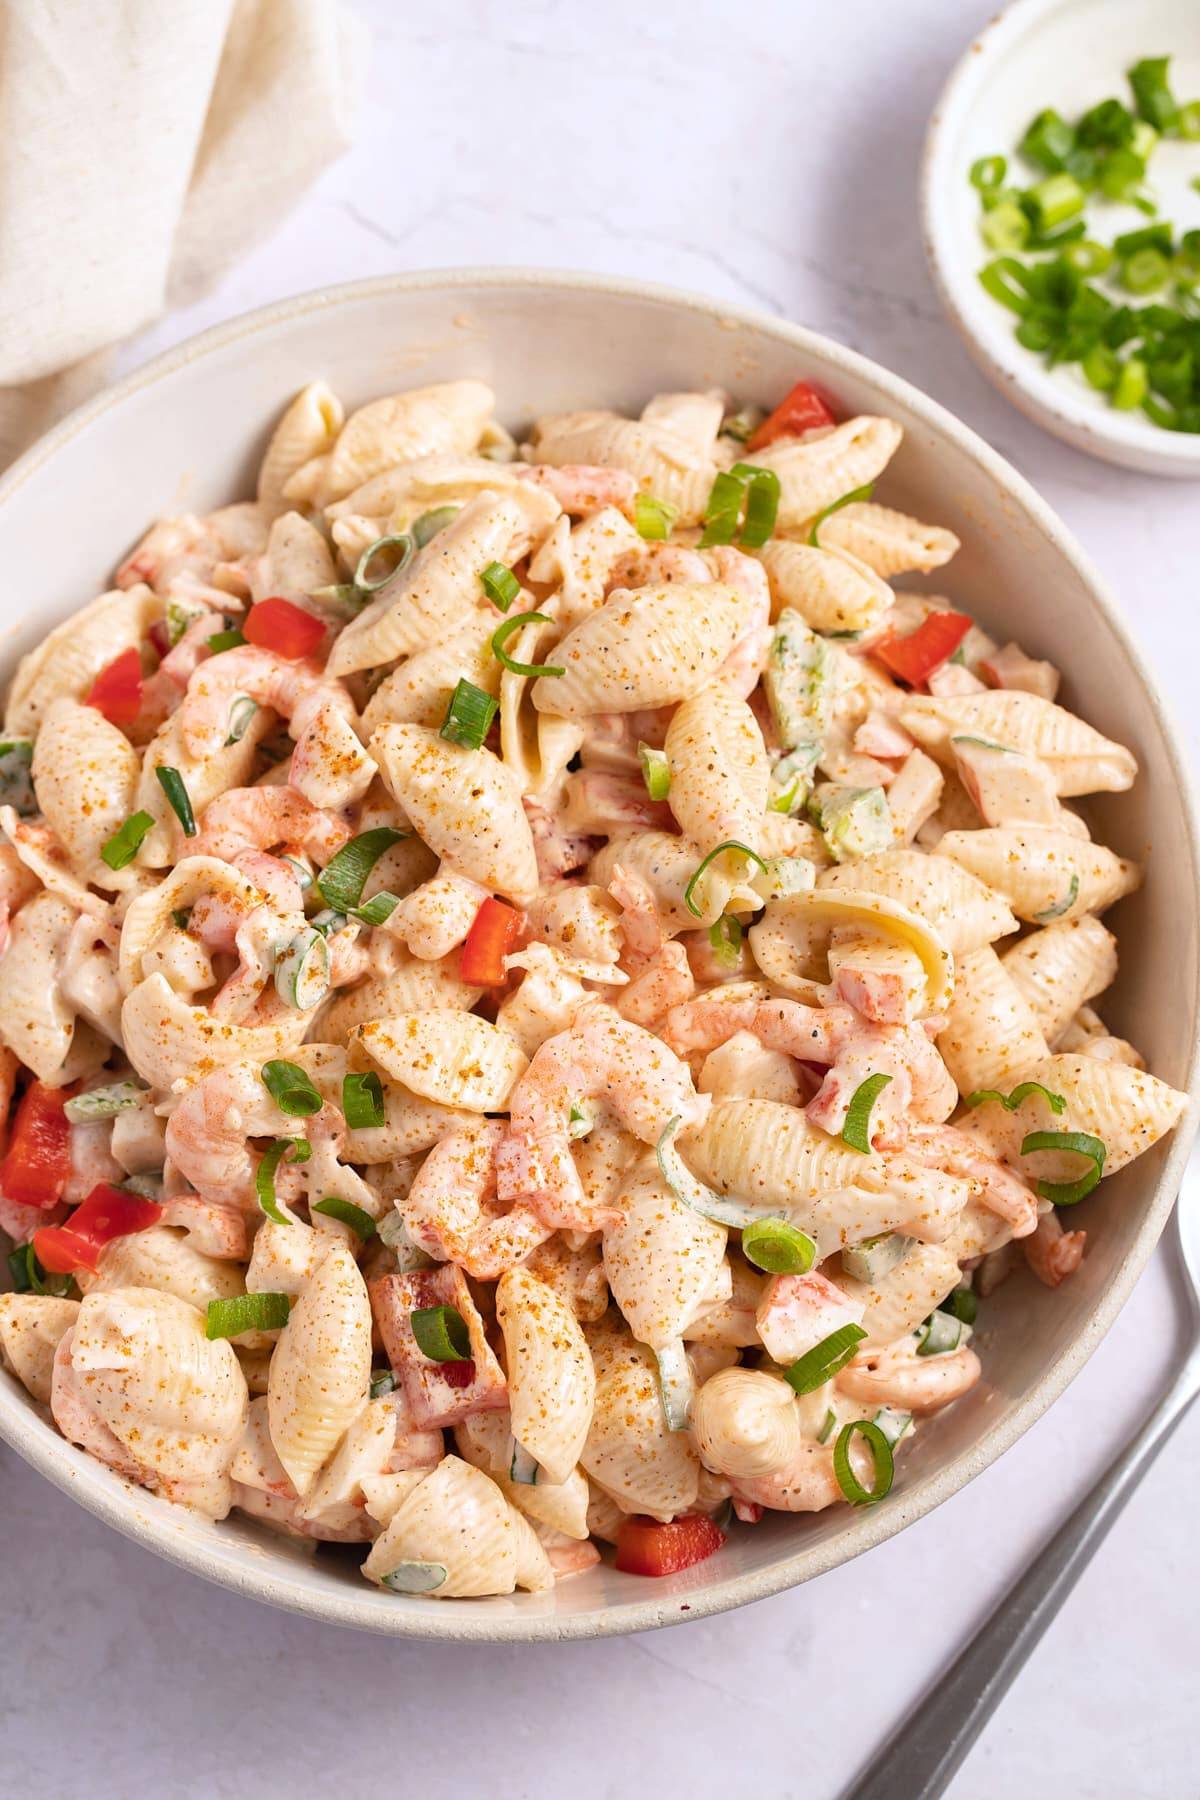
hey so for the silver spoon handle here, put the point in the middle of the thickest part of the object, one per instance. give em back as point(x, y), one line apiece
point(923, 1755)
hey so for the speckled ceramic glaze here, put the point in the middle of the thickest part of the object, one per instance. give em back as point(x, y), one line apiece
point(185, 434)
point(1067, 54)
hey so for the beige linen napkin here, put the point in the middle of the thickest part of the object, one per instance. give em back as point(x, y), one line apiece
point(145, 145)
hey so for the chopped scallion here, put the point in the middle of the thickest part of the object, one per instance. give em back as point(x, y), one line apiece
point(344, 876)
point(941, 1333)
point(232, 639)
point(881, 1454)
point(469, 715)
point(653, 519)
point(856, 1130)
point(441, 1333)
point(290, 1088)
point(656, 771)
point(246, 1312)
point(125, 843)
point(264, 1175)
point(499, 584)
point(347, 1213)
point(777, 1247)
point(1022, 1091)
point(430, 523)
point(362, 1101)
point(302, 970)
point(824, 1360)
point(172, 785)
point(697, 912)
point(1079, 1143)
point(405, 546)
point(725, 940)
point(501, 636)
point(855, 494)
point(104, 1102)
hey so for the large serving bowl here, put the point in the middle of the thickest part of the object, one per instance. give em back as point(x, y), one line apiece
point(185, 434)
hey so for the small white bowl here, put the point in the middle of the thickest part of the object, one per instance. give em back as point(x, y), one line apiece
point(185, 434)
point(1065, 54)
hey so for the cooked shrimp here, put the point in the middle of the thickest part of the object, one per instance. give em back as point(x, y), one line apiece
point(451, 1212)
point(297, 691)
point(650, 564)
point(641, 925)
point(581, 487)
point(956, 1152)
point(243, 824)
point(208, 1133)
point(806, 1484)
point(1053, 1253)
point(604, 1058)
point(665, 981)
point(215, 1230)
point(897, 1376)
point(600, 801)
point(748, 579)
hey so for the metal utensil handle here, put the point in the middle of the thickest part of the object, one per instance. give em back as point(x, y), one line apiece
point(921, 1758)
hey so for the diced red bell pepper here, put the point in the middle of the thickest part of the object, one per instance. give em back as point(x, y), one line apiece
point(38, 1160)
point(646, 1547)
point(107, 1213)
point(275, 624)
point(800, 411)
point(117, 689)
point(493, 934)
point(915, 657)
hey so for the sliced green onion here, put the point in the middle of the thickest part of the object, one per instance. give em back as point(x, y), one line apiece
point(246, 1312)
point(104, 1102)
point(125, 843)
point(828, 1426)
point(962, 1304)
point(29, 1277)
point(941, 1333)
point(697, 912)
point(469, 715)
point(404, 542)
point(505, 631)
point(579, 1122)
point(763, 493)
point(676, 1384)
point(290, 1088)
point(302, 970)
point(881, 1455)
point(1055, 200)
point(341, 594)
point(1133, 384)
point(430, 523)
point(499, 584)
point(723, 510)
point(347, 1213)
point(1080, 1143)
point(344, 876)
point(874, 1257)
point(18, 1268)
point(172, 785)
point(1152, 92)
point(181, 615)
point(656, 771)
point(241, 712)
point(893, 1423)
point(264, 1175)
point(304, 874)
point(653, 519)
point(1004, 280)
point(378, 909)
point(362, 1101)
point(328, 921)
point(523, 1468)
point(988, 172)
point(777, 1247)
point(382, 1382)
point(441, 1333)
point(692, 1192)
point(1006, 227)
point(742, 425)
point(857, 1129)
point(1145, 272)
point(1088, 258)
point(415, 1578)
point(1048, 141)
point(725, 940)
point(16, 781)
point(1022, 1091)
point(1061, 906)
point(824, 1360)
point(1101, 368)
point(859, 493)
point(232, 639)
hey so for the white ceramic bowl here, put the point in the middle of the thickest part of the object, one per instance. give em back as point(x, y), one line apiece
point(186, 432)
point(1067, 54)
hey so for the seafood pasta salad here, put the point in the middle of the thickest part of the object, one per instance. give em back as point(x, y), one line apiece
point(540, 992)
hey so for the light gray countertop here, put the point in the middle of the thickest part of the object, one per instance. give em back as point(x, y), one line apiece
point(766, 154)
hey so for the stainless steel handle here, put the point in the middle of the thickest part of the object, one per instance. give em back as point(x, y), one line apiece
point(922, 1756)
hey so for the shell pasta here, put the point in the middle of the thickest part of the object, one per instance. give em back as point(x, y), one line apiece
point(540, 991)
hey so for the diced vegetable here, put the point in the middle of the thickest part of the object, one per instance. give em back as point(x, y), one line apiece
point(648, 1547)
point(104, 1102)
point(493, 935)
point(469, 715)
point(875, 1257)
point(881, 1451)
point(798, 680)
point(246, 1312)
point(941, 1333)
point(915, 657)
point(857, 1129)
point(500, 585)
point(117, 690)
point(276, 624)
point(509, 628)
point(291, 1089)
point(800, 410)
point(107, 1213)
point(855, 821)
point(38, 1159)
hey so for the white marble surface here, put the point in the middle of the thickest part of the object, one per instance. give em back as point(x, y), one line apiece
point(767, 154)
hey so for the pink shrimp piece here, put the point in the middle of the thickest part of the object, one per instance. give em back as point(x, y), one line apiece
point(951, 680)
point(214, 1229)
point(162, 691)
point(207, 1136)
point(1053, 1253)
point(748, 579)
point(170, 548)
point(806, 1484)
point(242, 824)
point(558, 851)
point(581, 488)
point(438, 1394)
point(1011, 668)
point(664, 982)
point(653, 563)
point(640, 924)
point(796, 1312)
point(883, 737)
point(415, 1446)
point(601, 1057)
point(78, 1422)
point(297, 691)
point(451, 1213)
point(712, 967)
point(600, 801)
point(568, 1556)
point(920, 1081)
point(897, 1376)
point(956, 1152)
point(710, 1020)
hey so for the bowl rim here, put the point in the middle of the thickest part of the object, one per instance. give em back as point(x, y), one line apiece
point(1127, 439)
point(122, 1506)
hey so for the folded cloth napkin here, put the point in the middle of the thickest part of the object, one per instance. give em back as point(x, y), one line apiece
point(144, 147)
